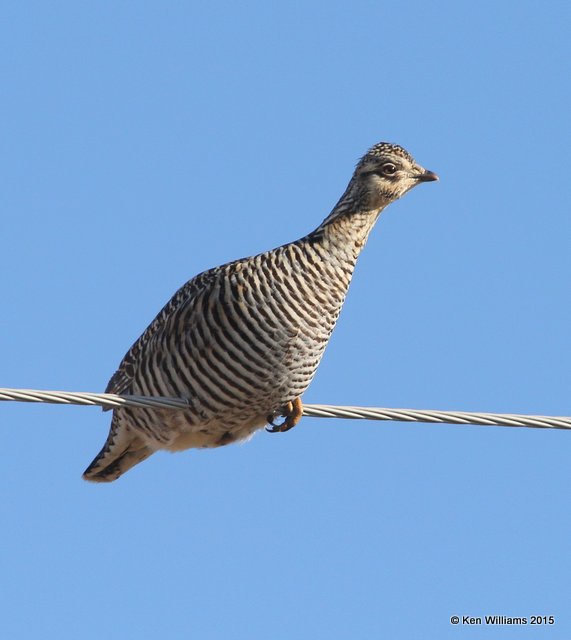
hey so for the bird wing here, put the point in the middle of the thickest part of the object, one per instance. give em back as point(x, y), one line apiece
point(121, 380)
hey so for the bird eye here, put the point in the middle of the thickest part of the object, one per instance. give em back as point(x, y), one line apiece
point(388, 169)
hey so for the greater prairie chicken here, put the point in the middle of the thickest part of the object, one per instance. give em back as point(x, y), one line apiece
point(241, 342)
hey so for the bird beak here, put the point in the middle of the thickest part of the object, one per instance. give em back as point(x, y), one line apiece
point(427, 176)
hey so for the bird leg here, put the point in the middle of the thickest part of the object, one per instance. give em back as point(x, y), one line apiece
point(292, 413)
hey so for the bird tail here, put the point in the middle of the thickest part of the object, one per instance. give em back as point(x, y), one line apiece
point(121, 451)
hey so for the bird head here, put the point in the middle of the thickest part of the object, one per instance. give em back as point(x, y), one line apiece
point(385, 173)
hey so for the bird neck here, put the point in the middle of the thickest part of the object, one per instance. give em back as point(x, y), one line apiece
point(346, 229)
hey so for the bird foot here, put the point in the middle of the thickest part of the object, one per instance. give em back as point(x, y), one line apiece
point(292, 413)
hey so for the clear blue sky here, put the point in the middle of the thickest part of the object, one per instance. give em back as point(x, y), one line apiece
point(145, 142)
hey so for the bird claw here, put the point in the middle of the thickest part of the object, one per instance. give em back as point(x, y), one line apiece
point(292, 413)
point(271, 419)
point(275, 428)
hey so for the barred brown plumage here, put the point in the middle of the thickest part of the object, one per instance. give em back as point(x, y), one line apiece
point(242, 341)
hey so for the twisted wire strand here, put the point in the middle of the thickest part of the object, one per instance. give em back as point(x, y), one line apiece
point(111, 400)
